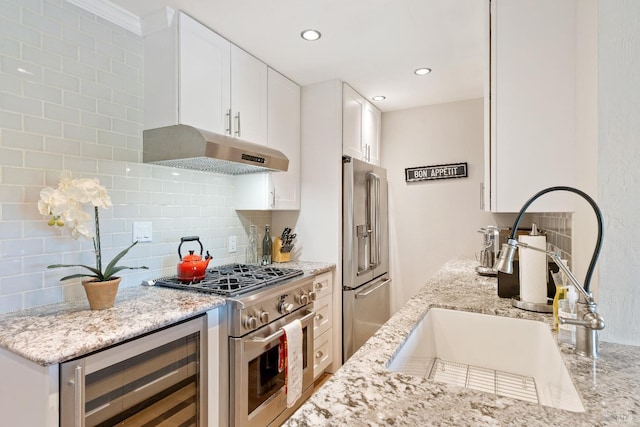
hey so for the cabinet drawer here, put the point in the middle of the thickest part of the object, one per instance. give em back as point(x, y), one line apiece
point(322, 320)
point(323, 284)
point(322, 350)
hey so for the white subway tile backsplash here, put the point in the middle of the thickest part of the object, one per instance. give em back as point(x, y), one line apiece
point(60, 47)
point(59, 14)
point(10, 303)
point(10, 11)
point(62, 146)
point(81, 164)
point(78, 69)
point(10, 120)
point(110, 50)
point(22, 247)
point(96, 90)
point(40, 91)
point(16, 30)
point(17, 103)
point(38, 22)
point(44, 126)
point(62, 114)
point(77, 38)
point(90, 57)
point(10, 194)
point(9, 48)
point(111, 80)
point(21, 140)
point(22, 176)
point(21, 283)
point(80, 133)
point(11, 267)
point(96, 121)
point(112, 110)
point(41, 57)
point(112, 139)
point(42, 297)
point(62, 80)
point(81, 102)
point(126, 155)
point(97, 151)
point(38, 160)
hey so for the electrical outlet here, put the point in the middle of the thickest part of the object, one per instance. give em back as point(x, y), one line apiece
point(233, 244)
point(142, 232)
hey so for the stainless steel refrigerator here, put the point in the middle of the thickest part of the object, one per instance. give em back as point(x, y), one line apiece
point(365, 253)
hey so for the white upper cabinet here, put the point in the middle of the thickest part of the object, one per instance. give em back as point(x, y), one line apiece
point(360, 127)
point(371, 132)
point(248, 96)
point(194, 76)
point(352, 107)
point(530, 104)
point(205, 76)
point(277, 190)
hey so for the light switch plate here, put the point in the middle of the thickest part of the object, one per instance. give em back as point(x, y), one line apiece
point(142, 232)
point(233, 244)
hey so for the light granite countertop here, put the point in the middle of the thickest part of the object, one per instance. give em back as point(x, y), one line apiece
point(363, 392)
point(55, 333)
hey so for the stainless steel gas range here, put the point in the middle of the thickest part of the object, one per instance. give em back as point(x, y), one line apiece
point(260, 301)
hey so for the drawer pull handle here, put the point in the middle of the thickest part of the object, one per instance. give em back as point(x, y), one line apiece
point(319, 355)
point(318, 317)
point(318, 285)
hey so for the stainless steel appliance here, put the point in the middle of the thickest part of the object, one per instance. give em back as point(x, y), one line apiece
point(260, 301)
point(490, 250)
point(186, 147)
point(365, 257)
point(142, 382)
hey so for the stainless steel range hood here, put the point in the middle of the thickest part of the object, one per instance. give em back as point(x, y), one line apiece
point(186, 147)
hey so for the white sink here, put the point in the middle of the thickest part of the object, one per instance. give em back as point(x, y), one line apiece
point(517, 358)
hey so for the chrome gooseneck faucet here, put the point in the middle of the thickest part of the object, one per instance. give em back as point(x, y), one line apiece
point(588, 321)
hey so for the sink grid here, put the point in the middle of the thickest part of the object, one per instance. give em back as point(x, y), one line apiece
point(476, 378)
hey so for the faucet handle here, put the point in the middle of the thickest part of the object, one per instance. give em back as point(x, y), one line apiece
point(591, 319)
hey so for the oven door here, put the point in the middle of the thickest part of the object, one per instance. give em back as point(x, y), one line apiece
point(256, 386)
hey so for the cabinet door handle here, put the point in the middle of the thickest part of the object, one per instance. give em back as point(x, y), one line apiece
point(319, 354)
point(238, 124)
point(318, 317)
point(318, 285)
point(273, 198)
point(228, 129)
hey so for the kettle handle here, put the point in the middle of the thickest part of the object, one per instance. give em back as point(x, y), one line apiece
point(189, 239)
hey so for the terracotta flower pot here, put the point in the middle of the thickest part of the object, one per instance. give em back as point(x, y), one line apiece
point(101, 295)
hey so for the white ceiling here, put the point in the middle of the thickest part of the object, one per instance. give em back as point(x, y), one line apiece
point(374, 45)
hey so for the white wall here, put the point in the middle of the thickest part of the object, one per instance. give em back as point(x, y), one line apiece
point(433, 221)
point(619, 167)
point(71, 97)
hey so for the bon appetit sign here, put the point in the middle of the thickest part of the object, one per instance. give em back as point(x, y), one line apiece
point(427, 173)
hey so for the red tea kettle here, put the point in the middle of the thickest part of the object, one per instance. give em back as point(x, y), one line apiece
point(192, 268)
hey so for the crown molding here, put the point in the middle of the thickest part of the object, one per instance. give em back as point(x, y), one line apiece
point(112, 13)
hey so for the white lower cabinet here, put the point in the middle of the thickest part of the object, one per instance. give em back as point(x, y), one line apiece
point(323, 323)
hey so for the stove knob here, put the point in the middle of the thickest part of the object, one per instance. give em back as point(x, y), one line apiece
point(284, 307)
point(250, 322)
point(264, 316)
point(303, 299)
point(312, 296)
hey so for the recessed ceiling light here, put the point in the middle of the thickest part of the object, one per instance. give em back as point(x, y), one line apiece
point(310, 35)
point(379, 98)
point(422, 71)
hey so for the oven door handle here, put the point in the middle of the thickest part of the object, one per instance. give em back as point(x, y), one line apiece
point(277, 334)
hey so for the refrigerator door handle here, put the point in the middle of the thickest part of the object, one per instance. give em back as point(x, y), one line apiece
point(373, 217)
point(372, 289)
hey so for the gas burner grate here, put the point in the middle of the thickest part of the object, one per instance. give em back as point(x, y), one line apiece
point(232, 279)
